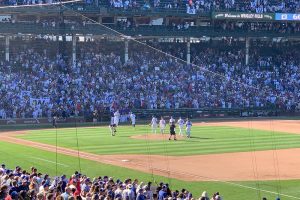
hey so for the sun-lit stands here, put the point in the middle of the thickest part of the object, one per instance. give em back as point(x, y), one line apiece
point(101, 80)
point(21, 184)
point(179, 6)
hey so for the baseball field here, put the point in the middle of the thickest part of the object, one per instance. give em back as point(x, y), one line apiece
point(241, 160)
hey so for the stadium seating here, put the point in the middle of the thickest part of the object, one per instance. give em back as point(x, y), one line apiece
point(21, 184)
point(127, 85)
point(199, 6)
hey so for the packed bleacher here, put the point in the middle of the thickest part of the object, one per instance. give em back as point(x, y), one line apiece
point(18, 183)
point(38, 82)
point(189, 6)
point(198, 6)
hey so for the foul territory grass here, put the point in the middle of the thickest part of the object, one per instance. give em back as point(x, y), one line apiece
point(14, 155)
point(205, 140)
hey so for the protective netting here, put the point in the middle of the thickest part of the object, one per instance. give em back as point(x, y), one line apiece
point(68, 67)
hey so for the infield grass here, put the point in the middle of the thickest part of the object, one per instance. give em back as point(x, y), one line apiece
point(14, 155)
point(205, 140)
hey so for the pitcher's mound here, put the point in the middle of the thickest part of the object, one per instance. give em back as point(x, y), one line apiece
point(157, 136)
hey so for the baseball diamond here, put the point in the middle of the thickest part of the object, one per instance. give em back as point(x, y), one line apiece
point(149, 100)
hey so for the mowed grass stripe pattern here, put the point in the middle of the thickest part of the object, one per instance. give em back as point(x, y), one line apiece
point(17, 155)
point(205, 140)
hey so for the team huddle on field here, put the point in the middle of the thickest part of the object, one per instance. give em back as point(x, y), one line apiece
point(162, 126)
point(183, 126)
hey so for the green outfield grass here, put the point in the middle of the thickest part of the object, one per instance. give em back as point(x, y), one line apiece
point(205, 140)
point(26, 157)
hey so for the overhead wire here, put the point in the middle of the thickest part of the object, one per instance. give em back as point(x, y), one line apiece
point(150, 162)
point(157, 50)
point(253, 159)
point(40, 4)
point(77, 144)
point(178, 59)
point(275, 158)
point(56, 153)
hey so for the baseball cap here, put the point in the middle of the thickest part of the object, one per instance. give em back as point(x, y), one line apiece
point(14, 194)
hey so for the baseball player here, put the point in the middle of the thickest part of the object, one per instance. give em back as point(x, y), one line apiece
point(112, 118)
point(172, 121)
point(172, 131)
point(116, 117)
point(54, 121)
point(132, 118)
point(95, 117)
point(180, 123)
point(188, 125)
point(154, 124)
point(162, 125)
point(113, 129)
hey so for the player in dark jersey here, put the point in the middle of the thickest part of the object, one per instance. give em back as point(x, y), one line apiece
point(54, 121)
point(172, 131)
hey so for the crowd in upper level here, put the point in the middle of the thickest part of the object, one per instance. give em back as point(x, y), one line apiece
point(38, 81)
point(191, 6)
point(198, 6)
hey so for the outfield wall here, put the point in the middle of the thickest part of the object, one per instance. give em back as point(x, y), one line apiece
point(143, 117)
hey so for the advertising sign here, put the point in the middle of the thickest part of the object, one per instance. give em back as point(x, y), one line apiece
point(238, 15)
point(287, 16)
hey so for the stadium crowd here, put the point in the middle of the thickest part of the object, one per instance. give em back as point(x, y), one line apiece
point(38, 82)
point(191, 6)
point(258, 27)
point(198, 6)
point(19, 184)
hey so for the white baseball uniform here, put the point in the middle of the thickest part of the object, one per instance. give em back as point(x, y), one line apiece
point(188, 125)
point(180, 123)
point(116, 118)
point(132, 118)
point(162, 126)
point(154, 124)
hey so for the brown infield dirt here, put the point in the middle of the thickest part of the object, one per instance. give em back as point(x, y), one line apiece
point(241, 166)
